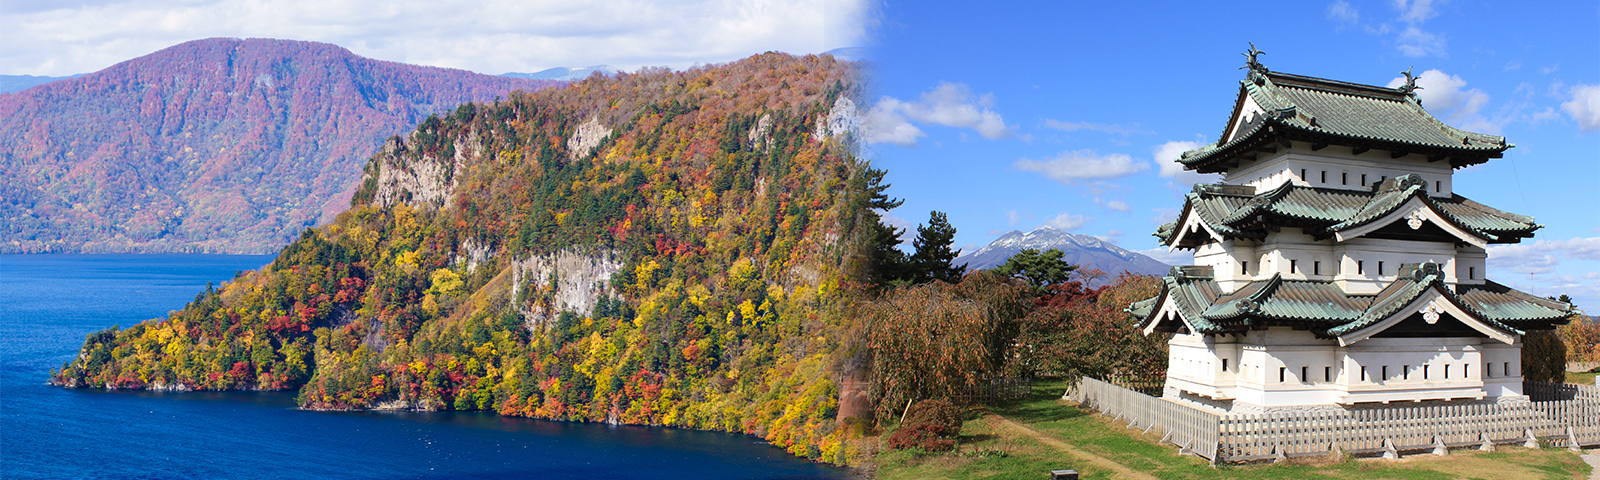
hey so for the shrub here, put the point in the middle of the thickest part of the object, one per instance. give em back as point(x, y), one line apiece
point(930, 425)
point(943, 415)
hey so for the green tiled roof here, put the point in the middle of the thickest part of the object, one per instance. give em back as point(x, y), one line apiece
point(1323, 211)
point(1324, 308)
point(1327, 111)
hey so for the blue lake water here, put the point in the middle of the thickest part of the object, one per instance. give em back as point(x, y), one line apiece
point(48, 303)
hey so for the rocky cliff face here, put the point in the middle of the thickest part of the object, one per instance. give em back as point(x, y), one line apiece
point(566, 281)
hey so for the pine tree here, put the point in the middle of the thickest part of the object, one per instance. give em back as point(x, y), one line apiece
point(933, 254)
point(888, 264)
point(1041, 269)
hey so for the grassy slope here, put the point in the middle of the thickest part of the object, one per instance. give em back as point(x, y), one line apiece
point(989, 449)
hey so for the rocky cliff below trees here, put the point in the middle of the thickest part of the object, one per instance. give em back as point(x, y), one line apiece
point(217, 145)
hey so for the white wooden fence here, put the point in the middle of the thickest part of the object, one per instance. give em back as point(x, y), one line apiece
point(1571, 419)
point(1192, 430)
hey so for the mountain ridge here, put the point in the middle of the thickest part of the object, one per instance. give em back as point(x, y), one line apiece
point(218, 145)
point(1082, 250)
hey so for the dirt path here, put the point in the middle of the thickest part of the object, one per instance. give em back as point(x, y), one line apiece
point(1122, 470)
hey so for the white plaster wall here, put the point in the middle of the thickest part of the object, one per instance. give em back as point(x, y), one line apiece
point(1469, 267)
point(1318, 371)
point(1302, 166)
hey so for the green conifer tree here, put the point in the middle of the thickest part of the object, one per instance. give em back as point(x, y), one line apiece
point(933, 255)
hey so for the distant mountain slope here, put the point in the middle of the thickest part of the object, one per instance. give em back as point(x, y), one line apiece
point(564, 73)
point(17, 83)
point(1081, 250)
point(216, 145)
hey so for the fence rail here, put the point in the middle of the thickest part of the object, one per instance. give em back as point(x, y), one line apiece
point(1191, 429)
point(1563, 416)
point(996, 390)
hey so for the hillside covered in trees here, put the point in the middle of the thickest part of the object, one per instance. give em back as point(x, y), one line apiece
point(217, 145)
point(665, 248)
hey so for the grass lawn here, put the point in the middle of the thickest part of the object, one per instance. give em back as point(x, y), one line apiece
point(1582, 378)
point(1049, 433)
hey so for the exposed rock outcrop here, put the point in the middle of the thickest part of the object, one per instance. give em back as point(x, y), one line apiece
point(567, 281)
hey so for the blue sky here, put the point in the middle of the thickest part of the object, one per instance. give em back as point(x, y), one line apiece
point(1019, 115)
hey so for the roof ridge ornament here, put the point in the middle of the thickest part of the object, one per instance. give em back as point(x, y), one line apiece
point(1410, 88)
point(1257, 70)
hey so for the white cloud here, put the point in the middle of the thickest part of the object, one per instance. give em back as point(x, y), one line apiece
point(1175, 257)
point(1446, 96)
point(489, 36)
point(1166, 156)
point(1342, 11)
point(1072, 167)
point(1117, 205)
point(1415, 42)
point(1163, 215)
point(1013, 217)
point(1542, 256)
point(1067, 222)
point(1110, 128)
point(1584, 107)
point(1111, 236)
point(949, 104)
point(1415, 10)
point(885, 124)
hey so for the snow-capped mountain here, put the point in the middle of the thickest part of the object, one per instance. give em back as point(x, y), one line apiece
point(1082, 250)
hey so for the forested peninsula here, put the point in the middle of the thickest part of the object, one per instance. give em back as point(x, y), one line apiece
point(664, 248)
point(698, 249)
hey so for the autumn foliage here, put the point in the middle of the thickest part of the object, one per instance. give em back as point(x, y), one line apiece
point(729, 202)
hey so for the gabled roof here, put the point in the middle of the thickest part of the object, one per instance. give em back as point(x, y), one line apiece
point(1330, 112)
point(1241, 212)
point(1191, 295)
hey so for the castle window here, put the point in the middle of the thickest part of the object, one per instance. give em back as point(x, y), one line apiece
point(1364, 373)
point(1244, 268)
point(1505, 370)
point(1327, 374)
point(1316, 268)
point(1303, 374)
point(1303, 175)
point(1464, 373)
point(1281, 372)
point(1405, 372)
point(1385, 373)
point(1438, 186)
point(1446, 371)
point(1224, 364)
point(1380, 268)
point(1344, 178)
point(1488, 369)
point(1363, 179)
point(1294, 266)
point(1361, 267)
point(1324, 176)
point(1424, 372)
point(1472, 273)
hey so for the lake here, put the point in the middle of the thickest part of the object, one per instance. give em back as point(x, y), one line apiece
point(48, 303)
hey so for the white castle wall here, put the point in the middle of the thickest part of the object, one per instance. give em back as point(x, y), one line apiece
point(1280, 366)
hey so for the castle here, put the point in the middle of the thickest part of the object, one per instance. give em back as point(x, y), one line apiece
point(1335, 264)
